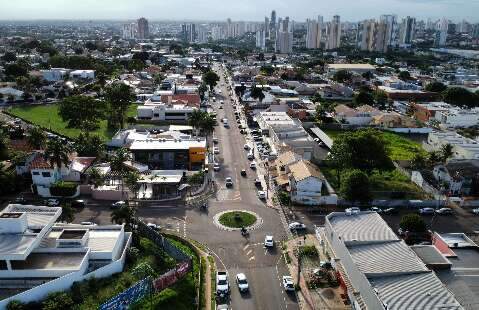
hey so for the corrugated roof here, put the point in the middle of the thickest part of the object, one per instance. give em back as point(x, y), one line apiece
point(376, 258)
point(429, 254)
point(416, 291)
point(365, 226)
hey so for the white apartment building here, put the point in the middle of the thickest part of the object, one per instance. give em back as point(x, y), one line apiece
point(54, 74)
point(83, 74)
point(284, 38)
point(261, 39)
point(463, 148)
point(314, 33)
point(334, 33)
point(39, 256)
point(457, 118)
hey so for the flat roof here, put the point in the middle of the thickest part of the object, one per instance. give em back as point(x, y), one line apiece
point(62, 260)
point(151, 144)
point(430, 255)
point(352, 227)
point(351, 66)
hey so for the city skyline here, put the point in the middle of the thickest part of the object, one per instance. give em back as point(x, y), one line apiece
point(248, 10)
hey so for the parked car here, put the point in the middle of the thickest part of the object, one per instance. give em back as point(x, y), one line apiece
point(376, 209)
point(390, 211)
point(153, 226)
point(215, 140)
point(426, 211)
point(229, 182)
point(88, 223)
point(20, 200)
point(252, 165)
point(118, 204)
point(242, 282)
point(222, 283)
point(216, 167)
point(247, 147)
point(353, 210)
point(257, 182)
point(262, 195)
point(243, 172)
point(288, 283)
point(216, 150)
point(53, 202)
point(444, 211)
point(268, 241)
point(250, 156)
point(296, 226)
point(475, 211)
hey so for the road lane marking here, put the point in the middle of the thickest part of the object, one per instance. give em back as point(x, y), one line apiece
point(249, 252)
point(246, 246)
point(251, 258)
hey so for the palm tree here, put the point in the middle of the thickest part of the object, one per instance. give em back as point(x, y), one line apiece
point(96, 178)
point(208, 124)
point(117, 164)
point(131, 181)
point(123, 215)
point(195, 119)
point(36, 138)
point(57, 153)
point(446, 152)
point(433, 158)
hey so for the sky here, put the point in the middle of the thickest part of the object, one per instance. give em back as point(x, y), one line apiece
point(250, 10)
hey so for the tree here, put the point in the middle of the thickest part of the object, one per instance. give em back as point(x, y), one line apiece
point(207, 124)
point(9, 57)
point(446, 152)
point(117, 162)
point(342, 76)
point(412, 223)
point(367, 75)
point(123, 215)
point(363, 149)
point(68, 213)
point(57, 301)
point(131, 181)
point(404, 75)
point(119, 98)
point(356, 187)
point(211, 78)
point(436, 87)
point(36, 138)
point(143, 270)
point(267, 70)
point(380, 97)
point(16, 305)
point(418, 161)
point(363, 98)
point(459, 96)
point(316, 98)
point(257, 93)
point(89, 145)
point(202, 90)
point(95, 177)
point(322, 109)
point(58, 152)
point(434, 158)
point(81, 112)
point(15, 70)
point(195, 118)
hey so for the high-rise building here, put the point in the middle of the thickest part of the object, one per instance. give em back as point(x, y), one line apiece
point(188, 32)
point(284, 37)
point(441, 34)
point(143, 29)
point(391, 28)
point(128, 31)
point(334, 33)
point(217, 33)
point(266, 26)
point(272, 25)
point(365, 39)
point(261, 39)
point(475, 31)
point(202, 34)
point(314, 33)
point(408, 28)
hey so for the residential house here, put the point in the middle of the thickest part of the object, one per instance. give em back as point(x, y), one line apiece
point(463, 148)
point(40, 256)
point(393, 120)
point(459, 177)
point(305, 181)
point(10, 94)
point(82, 74)
point(361, 116)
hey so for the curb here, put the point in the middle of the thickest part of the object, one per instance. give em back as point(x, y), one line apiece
point(257, 224)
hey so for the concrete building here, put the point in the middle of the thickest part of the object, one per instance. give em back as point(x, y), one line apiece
point(379, 270)
point(129, 31)
point(82, 74)
point(54, 74)
point(334, 33)
point(361, 116)
point(305, 182)
point(261, 39)
point(143, 29)
point(354, 68)
point(284, 37)
point(407, 31)
point(188, 32)
point(39, 256)
point(314, 33)
point(463, 148)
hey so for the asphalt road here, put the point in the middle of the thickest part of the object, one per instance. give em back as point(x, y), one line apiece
point(234, 253)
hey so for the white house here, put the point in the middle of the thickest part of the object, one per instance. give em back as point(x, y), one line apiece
point(164, 112)
point(40, 256)
point(457, 118)
point(463, 148)
point(54, 74)
point(9, 92)
point(361, 116)
point(305, 183)
point(83, 74)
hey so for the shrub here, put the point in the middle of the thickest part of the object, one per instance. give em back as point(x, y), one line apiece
point(58, 301)
point(15, 305)
point(63, 189)
point(309, 251)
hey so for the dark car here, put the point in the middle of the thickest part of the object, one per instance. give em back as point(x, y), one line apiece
point(78, 203)
point(390, 211)
point(243, 172)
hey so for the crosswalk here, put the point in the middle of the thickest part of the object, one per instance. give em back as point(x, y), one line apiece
point(228, 195)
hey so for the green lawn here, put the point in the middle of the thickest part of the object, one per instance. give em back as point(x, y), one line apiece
point(46, 116)
point(384, 184)
point(231, 220)
point(400, 147)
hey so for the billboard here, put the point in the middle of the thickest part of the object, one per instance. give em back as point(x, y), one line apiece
point(172, 276)
point(129, 296)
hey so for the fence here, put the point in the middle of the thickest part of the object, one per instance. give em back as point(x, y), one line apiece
point(129, 296)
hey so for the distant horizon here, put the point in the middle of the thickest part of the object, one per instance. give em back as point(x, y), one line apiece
point(246, 10)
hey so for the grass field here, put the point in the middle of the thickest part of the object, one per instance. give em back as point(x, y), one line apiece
point(244, 219)
point(46, 116)
point(400, 147)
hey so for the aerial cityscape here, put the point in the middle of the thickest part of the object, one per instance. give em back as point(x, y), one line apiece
point(248, 155)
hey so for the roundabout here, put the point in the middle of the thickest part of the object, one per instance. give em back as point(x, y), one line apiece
point(236, 219)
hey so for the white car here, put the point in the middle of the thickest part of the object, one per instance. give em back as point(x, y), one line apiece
point(353, 210)
point(229, 182)
point(444, 211)
point(268, 241)
point(262, 195)
point(252, 165)
point(242, 282)
point(250, 156)
point(288, 283)
point(53, 202)
point(247, 147)
point(216, 167)
point(118, 204)
point(475, 211)
point(216, 150)
point(426, 211)
point(153, 226)
point(215, 140)
point(88, 223)
point(296, 226)
point(222, 284)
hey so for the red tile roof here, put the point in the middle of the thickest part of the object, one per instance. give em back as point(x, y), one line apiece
point(193, 100)
point(39, 162)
